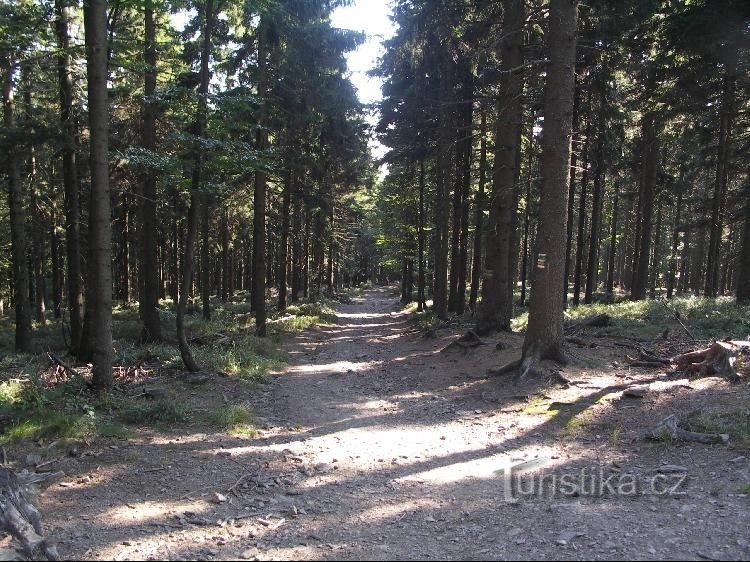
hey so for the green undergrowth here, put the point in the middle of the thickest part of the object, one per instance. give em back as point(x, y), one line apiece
point(225, 344)
point(734, 423)
point(705, 317)
point(70, 410)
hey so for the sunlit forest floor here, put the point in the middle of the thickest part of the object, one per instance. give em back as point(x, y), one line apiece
point(355, 431)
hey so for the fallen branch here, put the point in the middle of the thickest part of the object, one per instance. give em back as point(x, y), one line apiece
point(66, 367)
point(469, 340)
point(676, 315)
point(669, 429)
point(19, 515)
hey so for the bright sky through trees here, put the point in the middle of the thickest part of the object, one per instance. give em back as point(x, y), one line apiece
point(373, 18)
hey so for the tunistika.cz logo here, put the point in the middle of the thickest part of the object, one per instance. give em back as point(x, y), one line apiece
point(523, 480)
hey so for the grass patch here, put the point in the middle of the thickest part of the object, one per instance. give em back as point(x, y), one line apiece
point(157, 412)
point(237, 419)
point(736, 424)
point(115, 430)
point(744, 489)
point(538, 406)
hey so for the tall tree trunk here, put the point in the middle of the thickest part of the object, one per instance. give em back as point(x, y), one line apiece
point(455, 225)
point(465, 178)
point(206, 257)
point(610, 288)
point(259, 196)
point(571, 193)
point(195, 197)
point(70, 179)
point(646, 206)
point(545, 336)
point(592, 271)
point(226, 274)
point(496, 309)
point(421, 298)
point(99, 288)
point(581, 238)
point(722, 172)
point(476, 266)
point(297, 250)
point(149, 266)
point(656, 257)
point(38, 220)
point(17, 220)
point(743, 279)
point(124, 277)
point(676, 235)
point(57, 273)
point(286, 202)
point(527, 218)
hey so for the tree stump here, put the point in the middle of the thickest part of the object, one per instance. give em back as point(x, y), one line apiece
point(729, 359)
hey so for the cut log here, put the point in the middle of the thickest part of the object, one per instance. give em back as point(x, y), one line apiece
point(729, 359)
point(19, 515)
point(670, 430)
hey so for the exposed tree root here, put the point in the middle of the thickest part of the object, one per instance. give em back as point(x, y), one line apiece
point(532, 367)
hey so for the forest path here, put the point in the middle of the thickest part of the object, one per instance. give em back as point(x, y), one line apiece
point(375, 445)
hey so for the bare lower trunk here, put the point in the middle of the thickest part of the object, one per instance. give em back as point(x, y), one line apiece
point(99, 287)
point(743, 280)
point(149, 266)
point(17, 222)
point(194, 212)
point(476, 268)
point(722, 171)
point(187, 278)
point(545, 336)
point(496, 309)
point(284, 242)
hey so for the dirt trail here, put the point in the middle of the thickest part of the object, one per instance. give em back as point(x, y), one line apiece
point(377, 446)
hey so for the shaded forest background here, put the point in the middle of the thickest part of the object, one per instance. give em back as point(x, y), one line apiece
point(181, 155)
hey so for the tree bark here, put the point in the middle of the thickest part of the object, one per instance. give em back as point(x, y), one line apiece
point(476, 266)
point(17, 211)
point(722, 172)
point(646, 206)
point(527, 218)
point(286, 202)
point(70, 179)
point(195, 197)
point(259, 196)
point(225, 258)
point(496, 309)
point(99, 288)
point(592, 271)
point(571, 193)
point(610, 288)
point(545, 336)
point(581, 238)
point(743, 279)
point(149, 270)
point(206, 257)
point(421, 298)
